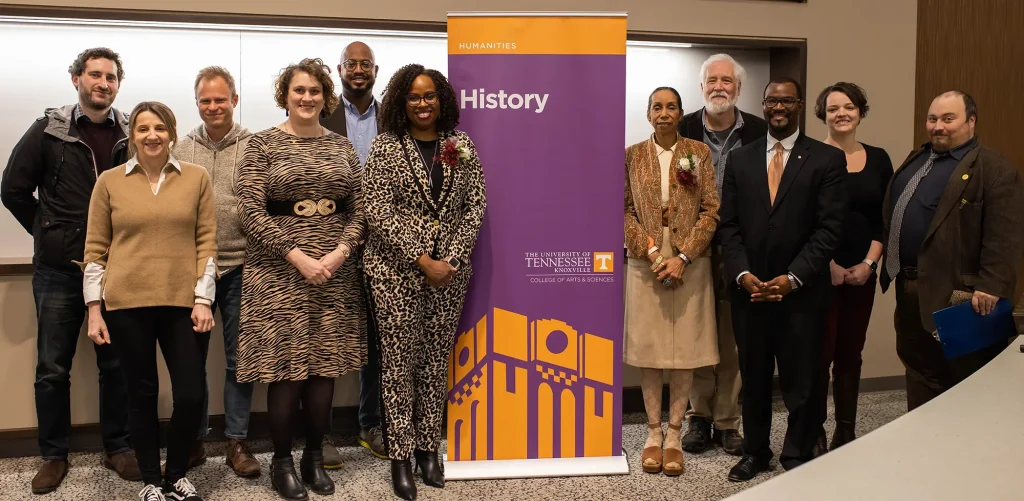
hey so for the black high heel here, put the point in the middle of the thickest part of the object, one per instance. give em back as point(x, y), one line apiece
point(313, 473)
point(427, 463)
point(401, 479)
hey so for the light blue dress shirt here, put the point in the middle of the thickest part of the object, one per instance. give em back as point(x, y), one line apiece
point(361, 128)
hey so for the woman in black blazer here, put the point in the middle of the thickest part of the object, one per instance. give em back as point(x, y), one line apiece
point(842, 107)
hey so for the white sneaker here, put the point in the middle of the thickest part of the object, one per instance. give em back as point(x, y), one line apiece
point(151, 493)
point(182, 490)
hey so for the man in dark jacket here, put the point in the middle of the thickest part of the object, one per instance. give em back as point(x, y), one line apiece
point(61, 156)
point(952, 215)
point(356, 119)
point(714, 395)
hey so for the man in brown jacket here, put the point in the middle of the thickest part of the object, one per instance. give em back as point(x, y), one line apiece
point(953, 215)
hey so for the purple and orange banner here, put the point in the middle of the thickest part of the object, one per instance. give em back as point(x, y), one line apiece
point(536, 369)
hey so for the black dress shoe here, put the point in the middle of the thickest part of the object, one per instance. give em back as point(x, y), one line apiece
point(314, 474)
point(730, 440)
point(747, 469)
point(843, 435)
point(429, 468)
point(401, 479)
point(820, 446)
point(284, 480)
point(698, 435)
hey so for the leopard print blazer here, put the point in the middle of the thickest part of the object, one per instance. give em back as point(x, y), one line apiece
point(404, 222)
point(692, 211)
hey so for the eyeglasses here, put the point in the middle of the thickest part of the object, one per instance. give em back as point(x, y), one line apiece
point(350, 64)
point(415, 99)
point(787, 102)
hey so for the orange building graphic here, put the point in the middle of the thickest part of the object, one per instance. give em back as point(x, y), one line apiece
point(524, 389)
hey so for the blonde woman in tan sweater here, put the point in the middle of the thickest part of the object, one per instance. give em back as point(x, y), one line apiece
point(150, 270)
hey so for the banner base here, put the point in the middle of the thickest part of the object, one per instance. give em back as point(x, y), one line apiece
point(535, 468)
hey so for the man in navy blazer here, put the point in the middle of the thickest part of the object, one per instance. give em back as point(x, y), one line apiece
point(783, 204)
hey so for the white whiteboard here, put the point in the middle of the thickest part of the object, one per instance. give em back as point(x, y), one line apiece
point(161, 61)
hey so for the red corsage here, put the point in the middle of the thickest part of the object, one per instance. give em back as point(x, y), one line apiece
point(686, 171)
point(452, 151)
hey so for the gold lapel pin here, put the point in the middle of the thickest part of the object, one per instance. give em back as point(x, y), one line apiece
point(964, 177)
point(798, 157)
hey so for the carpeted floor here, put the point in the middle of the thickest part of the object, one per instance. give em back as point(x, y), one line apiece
point(367, 478)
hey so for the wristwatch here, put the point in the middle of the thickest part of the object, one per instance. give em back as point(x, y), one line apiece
point(872, 264)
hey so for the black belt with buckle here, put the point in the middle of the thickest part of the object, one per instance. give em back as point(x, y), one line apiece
point(305, 208)
point(909, 273)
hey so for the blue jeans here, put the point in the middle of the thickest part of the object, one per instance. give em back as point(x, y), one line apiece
point(369, 375)
point(237, 396)
point(60, 311)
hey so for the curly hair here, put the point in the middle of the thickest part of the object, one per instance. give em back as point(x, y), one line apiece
point(393, 117)
point(316, 69)
point(853, 91)
point(78, 66)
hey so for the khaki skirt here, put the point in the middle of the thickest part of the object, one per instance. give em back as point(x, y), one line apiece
point(670, 328)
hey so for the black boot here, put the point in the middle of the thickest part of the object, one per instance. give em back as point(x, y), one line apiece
point(429, 467)
point(845, 390)
point(401, 479)
point(284, 480)
point(313, 473)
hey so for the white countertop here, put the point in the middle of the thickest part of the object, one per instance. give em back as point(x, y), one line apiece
point(965, 445)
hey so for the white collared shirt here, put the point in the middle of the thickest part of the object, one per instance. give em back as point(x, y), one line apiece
point(172, 163)
point(787, 148)
point(665, 162)
point(206, 286)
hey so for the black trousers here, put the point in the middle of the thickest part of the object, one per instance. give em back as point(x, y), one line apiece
point(134, 334)
point(781, 333)
point(928, 372)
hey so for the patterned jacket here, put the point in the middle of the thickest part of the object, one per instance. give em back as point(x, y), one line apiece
point(404, 222)
point(692, 213)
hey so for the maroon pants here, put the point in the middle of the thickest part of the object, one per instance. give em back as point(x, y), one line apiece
point(846, 327)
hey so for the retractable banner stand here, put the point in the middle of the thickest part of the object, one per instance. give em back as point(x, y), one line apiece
point(535, 380)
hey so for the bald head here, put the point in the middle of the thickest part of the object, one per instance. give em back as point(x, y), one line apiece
point(358, 70)
point(951, 120)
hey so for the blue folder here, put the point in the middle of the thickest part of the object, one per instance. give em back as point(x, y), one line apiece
point(963, 331)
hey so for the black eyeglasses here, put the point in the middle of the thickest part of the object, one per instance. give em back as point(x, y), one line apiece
point(350, 64)
point(787, 102)
point(415, 99)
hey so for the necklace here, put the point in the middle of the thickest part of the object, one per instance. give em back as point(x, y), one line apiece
point(433, 159)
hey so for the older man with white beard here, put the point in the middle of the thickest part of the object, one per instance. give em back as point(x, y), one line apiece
point(714, 395)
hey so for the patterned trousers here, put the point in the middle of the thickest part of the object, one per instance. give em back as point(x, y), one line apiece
point(416, 325)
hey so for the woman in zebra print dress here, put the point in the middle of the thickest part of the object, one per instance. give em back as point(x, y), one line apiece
point(302, 319)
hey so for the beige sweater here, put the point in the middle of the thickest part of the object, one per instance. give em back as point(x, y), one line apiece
point(153, 247)
point(221, 159)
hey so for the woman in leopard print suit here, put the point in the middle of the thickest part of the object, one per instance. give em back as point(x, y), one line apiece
point(423, 190)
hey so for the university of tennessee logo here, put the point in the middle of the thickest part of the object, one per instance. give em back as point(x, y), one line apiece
point(604, 262)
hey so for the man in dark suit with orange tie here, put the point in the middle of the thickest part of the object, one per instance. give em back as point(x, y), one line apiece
point(783, 205)
point(953, 216)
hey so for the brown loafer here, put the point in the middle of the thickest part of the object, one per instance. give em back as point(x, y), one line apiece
point(197, 454)
point(241, 460)
point(125, 464)
point(49, 477)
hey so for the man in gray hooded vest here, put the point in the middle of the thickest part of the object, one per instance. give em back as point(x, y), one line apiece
point(217, 144)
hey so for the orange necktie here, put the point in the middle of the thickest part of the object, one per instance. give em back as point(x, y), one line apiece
point(775, 172)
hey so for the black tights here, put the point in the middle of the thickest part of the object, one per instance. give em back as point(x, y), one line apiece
point(316, 394)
